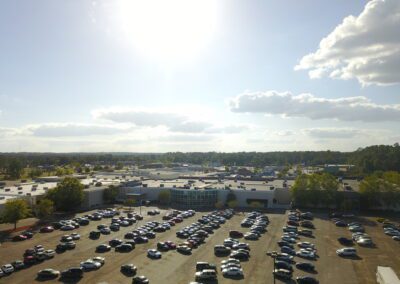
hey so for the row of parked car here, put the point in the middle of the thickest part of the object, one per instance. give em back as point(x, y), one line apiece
point(284, 259)
point(392, 230)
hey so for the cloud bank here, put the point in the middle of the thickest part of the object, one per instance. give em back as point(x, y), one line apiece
point(307, 105)
point(366, 47)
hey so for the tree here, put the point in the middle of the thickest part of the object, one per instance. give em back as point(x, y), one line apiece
point(35, 172)
point(232, 203)
point(45, 208)
point(130, 202)
point(15, 210)
point(68, 195)
point(164, 197)
point(219, 205)
point(110, 194)
point(256, 204)
point(15, 169)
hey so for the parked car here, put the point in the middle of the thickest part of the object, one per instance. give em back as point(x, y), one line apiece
point(47, 229)
point(282, 273)
point(206, 274)
point(129, 269)
point(232, 272)
point(103, 248)
point(307, 266)
point(235, 234)
point(48, 273)
point(346, 252)
point(18, 264)
point(152, 253)
point(201, 265)
point(306, 280)
point(140, 280)
point(90, 265)
point(73, 272)
point(124, 247)
point(7, 268)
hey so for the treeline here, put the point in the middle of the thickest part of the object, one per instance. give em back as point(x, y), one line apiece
point(380, 190)
point(366, 160)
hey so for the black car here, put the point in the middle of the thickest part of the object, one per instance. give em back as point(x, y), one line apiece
point(341, 224)
point(115, 242)
point(73, 272)
point(345, 241)
point(240, 255)
point(140, 280)
point(280, 264)
point(103, 248)
point(124, 248)
point(28, 234)
point(162, 246)
point(306, 280)
point(285, 244)
point(61, 247)
point(129, 269)
point(129, 235)
point(140, 240)
point(83, 222)
point(56, 225)
point(307, 266)
point(150, 235)
point(94, 234)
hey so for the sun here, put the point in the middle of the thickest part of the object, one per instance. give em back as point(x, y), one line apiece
point(168, 29)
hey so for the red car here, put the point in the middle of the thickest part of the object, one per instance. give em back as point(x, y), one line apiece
point(47, 229)
point(171, 245)
point(20, 238)
point(30, 259)
point(177, 220)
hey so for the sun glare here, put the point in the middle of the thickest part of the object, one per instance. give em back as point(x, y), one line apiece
point(168, 30)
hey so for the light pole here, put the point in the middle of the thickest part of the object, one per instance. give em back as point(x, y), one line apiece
point(273, 254)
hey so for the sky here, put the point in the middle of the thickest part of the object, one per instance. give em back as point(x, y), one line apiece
point(184, 75)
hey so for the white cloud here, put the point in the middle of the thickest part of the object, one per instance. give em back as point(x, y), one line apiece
point(72, 129)
point(306, 105)
point(333, 133)
point(366, 47)
point(174, 121)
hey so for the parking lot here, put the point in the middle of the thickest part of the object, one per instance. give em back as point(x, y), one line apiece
point(174, 267)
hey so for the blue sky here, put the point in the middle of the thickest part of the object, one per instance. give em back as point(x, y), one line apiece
point(155, 77)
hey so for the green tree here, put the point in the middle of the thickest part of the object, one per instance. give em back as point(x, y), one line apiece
point(130, 202)
point(110, 194)
point(256, 204)
point(45, 208)
point(68, 195)
point(15, 210)
point(35, 172)
point(219, 205)
point(164, 197)
point(15, 169)
point(232, 203)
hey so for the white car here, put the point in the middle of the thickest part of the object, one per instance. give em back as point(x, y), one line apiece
point(364, 242)
point(89, 264)
point(396, 238)
point(228, 265)
point(98, 259)
point(153, 253)
point(232, 271)
point(306, 254)
point(7, 268)
point(75, 236)
point(346, 252)
point(241, 246)
point(50, 253)
point(230, 260)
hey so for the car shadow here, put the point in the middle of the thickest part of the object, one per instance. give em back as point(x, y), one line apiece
point(354, 257)
point(70, 281)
